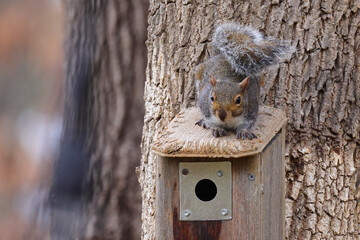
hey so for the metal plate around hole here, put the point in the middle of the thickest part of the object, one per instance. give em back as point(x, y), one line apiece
point(194, 209)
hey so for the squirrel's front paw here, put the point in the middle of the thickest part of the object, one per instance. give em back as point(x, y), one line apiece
point(243, 134)
point(219, 132)
point(202, 123)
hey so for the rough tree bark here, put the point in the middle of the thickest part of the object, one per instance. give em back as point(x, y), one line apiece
point(95, 192)
point(319, 89)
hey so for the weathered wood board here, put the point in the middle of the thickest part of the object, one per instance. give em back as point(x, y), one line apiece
point(182, 138)
point(258, 204)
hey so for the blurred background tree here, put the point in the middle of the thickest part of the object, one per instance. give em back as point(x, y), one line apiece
point(95, 192)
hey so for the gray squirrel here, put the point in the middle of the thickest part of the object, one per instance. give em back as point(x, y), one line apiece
point(228, 83)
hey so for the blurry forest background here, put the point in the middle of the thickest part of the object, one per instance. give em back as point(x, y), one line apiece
point(31, 85)
point(31, 56)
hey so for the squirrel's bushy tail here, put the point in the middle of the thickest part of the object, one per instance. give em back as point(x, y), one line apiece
point(247, 50)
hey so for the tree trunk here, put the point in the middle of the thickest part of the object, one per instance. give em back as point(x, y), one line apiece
point(95, 192)
point(319, 89)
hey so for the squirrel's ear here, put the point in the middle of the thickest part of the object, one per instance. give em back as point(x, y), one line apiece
point(212, 80)
point(244, 83)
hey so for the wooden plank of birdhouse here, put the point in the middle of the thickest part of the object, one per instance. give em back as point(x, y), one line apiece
point(182, 138)
point(246, 219)
point(273, 188)
point(258, 201)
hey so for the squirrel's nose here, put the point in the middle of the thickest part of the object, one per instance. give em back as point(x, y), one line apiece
point(222, 114)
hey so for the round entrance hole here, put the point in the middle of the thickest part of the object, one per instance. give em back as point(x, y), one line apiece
point(206, 190)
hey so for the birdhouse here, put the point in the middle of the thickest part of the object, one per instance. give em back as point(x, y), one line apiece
point(220, 188)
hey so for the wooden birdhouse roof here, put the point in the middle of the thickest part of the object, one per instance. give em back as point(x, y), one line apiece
point(182, 138)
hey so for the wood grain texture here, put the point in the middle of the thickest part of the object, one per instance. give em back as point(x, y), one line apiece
point(273, 188)
point(257, 205)
point(245, 224)
point(319, 90)
point(182, 138)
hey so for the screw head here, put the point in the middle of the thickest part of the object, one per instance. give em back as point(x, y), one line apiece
point(187, 213)
point(224, 212)
point(185, 171)
point(219, 173)
point(251, 177)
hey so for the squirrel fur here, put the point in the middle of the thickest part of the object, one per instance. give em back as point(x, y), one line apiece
point(228, 86)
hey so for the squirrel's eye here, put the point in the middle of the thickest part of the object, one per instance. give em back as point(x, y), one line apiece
point(212, 98)
point(238, 100)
